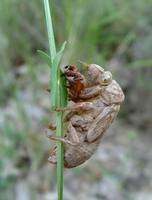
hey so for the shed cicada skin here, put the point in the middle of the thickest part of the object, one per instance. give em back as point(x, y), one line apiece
point(96, 100)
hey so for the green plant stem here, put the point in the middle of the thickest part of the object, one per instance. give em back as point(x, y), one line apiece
point(50, 30)
point(58, 96)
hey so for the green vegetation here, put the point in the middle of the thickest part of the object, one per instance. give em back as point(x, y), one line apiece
point(58, 95)
point(116, 27)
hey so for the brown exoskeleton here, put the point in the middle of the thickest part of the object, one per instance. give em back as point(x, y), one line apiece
point(96, 102)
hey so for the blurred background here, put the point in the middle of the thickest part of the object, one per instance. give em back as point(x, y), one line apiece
point(116, 34)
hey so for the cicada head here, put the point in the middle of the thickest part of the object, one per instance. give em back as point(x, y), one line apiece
point(76, 81)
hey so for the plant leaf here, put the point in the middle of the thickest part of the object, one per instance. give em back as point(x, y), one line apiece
point(59, 54)
point(45, 57)
point(55, 72)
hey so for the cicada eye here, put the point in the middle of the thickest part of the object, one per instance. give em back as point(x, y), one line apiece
point(105, 78)
point(66, 67)
point(70, 67)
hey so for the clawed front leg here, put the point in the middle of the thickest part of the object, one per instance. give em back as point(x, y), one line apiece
point(90, 92)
